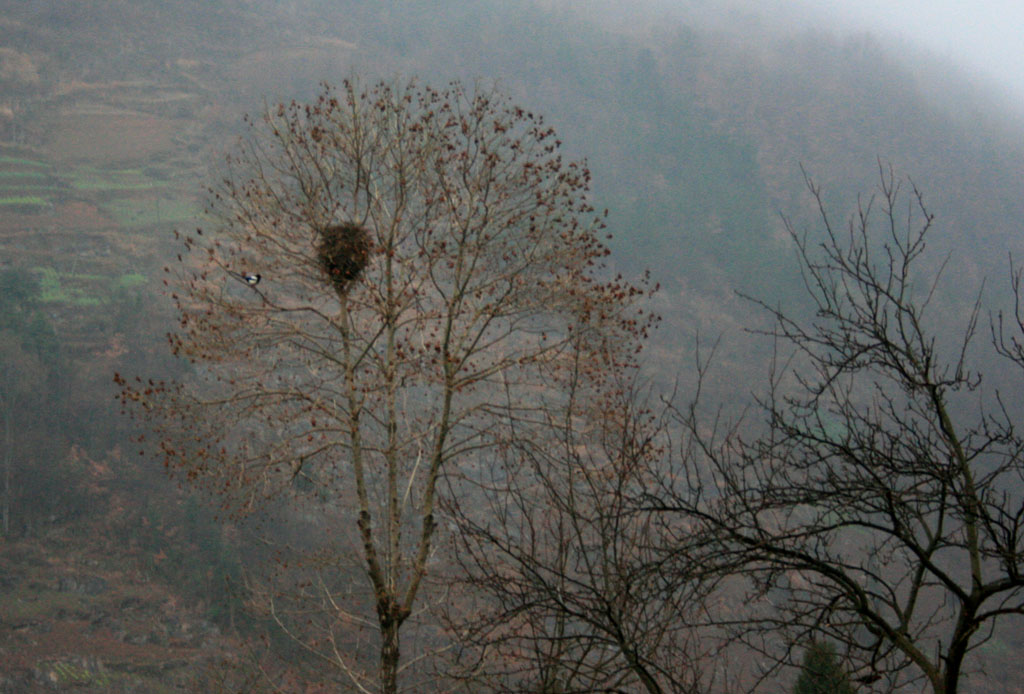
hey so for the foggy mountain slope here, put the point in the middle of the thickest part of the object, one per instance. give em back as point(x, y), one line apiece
point(694, 122)
point(694, 126)
point(695, 132)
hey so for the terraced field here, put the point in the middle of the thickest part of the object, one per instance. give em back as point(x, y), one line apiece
point(91, 214)
point(27, 185)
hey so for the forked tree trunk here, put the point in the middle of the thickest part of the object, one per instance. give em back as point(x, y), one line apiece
point(389, 651)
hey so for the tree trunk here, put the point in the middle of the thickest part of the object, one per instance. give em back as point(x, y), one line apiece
point(389, 653)
point(957, 651)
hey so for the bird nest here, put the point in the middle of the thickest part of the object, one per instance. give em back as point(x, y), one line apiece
point(344, 252)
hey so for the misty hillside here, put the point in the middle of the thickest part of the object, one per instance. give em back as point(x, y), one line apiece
point(115, 116)
point(695, 134)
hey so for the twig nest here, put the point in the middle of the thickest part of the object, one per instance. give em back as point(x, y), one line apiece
point(343, 252)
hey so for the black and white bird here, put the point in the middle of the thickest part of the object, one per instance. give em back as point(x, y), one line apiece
point(251, 278)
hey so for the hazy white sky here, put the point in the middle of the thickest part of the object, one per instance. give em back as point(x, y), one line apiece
point(985, 35)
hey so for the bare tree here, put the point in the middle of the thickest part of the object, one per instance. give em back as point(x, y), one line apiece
point(568, 570)
point(880, 504)
point(389, 268)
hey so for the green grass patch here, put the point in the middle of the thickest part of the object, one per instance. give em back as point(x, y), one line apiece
point(137, 212)
point(53, 290)
point(26, 188)
point(22, 162)
point(24, 204)
point(87, 277)
point(114, 187)
point(23, 200)
point(29, 187)
point(130, 281)
point(23, 174)
point(49, 285)
point(72, 674)
point(86, 301)
point(111, 172)
point(83, 289)
point(89, 178)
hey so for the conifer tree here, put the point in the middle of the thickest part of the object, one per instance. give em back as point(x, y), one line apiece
point(821, 672)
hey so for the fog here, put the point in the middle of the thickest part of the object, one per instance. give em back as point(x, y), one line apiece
point(696, 121)
point(984, 37)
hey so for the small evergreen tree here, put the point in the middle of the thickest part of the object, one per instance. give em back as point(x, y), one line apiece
point(822, 673)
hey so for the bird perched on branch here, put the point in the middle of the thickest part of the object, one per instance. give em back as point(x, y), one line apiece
point(250, 278)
